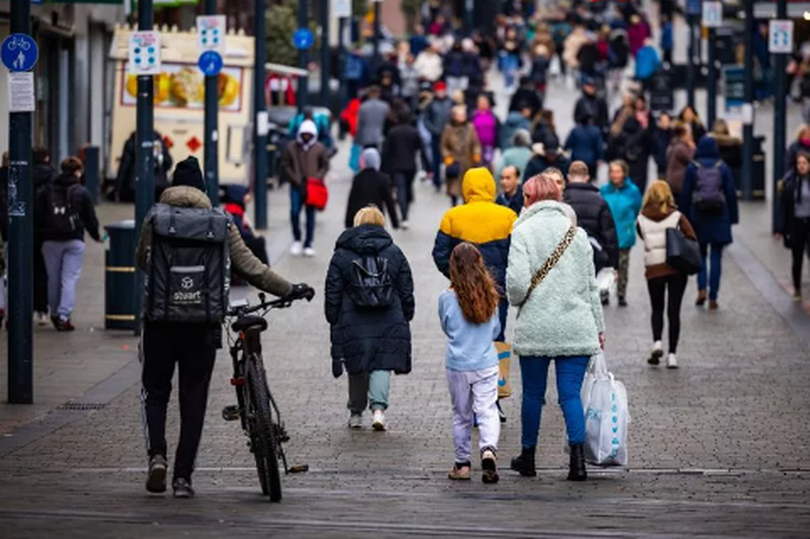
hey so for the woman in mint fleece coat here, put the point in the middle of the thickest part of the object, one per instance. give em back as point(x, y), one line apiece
point(624, 199)
point(560, 320)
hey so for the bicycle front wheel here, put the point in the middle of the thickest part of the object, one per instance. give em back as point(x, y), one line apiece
point(265, 448)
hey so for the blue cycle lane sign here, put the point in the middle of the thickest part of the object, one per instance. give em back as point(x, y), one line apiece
point(303, 39)
point(210, 63)
point(19, 52)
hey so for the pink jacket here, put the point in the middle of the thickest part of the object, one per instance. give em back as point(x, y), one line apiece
point(486, 126)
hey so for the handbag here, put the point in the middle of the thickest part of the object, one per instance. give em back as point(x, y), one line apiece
point(317, 194)
point(683, 254)
point(549, 264)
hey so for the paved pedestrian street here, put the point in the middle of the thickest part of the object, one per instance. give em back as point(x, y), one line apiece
point(717, 448)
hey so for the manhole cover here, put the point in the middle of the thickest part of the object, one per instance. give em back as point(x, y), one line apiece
point(82, 406)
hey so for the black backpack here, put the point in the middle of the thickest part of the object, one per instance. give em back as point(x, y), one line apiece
point(371, 285)
point(61, 218)
point(188, 274)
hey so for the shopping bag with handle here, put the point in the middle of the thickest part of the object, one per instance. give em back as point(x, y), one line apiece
point(604, 400)
point(504, 364)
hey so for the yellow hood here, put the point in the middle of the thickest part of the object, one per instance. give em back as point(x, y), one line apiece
point(478, 186)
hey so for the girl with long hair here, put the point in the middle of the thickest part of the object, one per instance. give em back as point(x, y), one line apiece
point(468, 312)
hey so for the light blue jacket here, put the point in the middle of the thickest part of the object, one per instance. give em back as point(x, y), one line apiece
point(470, 347)
point(562, 317)
point(625, 203)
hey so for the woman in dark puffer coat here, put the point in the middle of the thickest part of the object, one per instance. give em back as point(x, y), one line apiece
point(369, 342)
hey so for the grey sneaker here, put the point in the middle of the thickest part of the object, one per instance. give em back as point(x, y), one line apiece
point(156, 480)
point(489, 465)
point(356, 421)
point(182, 488)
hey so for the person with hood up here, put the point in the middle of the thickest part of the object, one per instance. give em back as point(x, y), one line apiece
point(518, 154)
point(487, 128)
point(369, 341)
point(624, 200)
point(67, 212)
point(709, 199)
point(371, 188)
point(461, 150)
point(303, 159)
point(593, 215)
point(658, 214)
point(482, 222)
point(679, 156)
point(559, 319)
point(794, 219)
point(235, 201)
point(545, 155)
point(192, 346)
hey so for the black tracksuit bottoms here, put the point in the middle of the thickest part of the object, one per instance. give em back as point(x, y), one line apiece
point(193, 348)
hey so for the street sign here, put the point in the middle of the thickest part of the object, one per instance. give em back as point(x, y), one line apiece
point(144, 53)
point(210, 63)
point(734, 87)
point(712, 15)
point(303, 39)
point(693, 7)
point(211, 31)
point(662, 92)
point(21, 92)
point(341, 8)
point(780, 37)
point(19, 52)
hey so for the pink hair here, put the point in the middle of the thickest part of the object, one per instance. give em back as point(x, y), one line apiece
point(539, 188)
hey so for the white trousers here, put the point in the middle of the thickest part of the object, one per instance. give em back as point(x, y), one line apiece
point(474, 392)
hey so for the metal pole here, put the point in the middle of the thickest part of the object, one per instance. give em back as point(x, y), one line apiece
point(376, 57)
point(341, 59)
point(144, 152)
point(211, 134)
point(690, 63)
point(21, 240)
point(711, 82)
point(326, 69)
point(303, 56)
point(779, 119)
point(259, 118)
point(748, 129)
point(469, 16)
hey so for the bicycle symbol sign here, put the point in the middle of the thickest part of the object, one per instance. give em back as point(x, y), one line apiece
point(19, 52)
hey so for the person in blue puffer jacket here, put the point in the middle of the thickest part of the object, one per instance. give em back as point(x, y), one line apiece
point(624, 200)
point(647, 63)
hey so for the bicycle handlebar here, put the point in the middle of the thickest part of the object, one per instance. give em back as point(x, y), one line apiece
point(263, 305)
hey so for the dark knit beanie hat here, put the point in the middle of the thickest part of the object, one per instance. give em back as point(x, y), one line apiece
point(188, 173)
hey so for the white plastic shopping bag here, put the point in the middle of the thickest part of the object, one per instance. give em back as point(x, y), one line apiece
point(604, 400)
point(606, 281)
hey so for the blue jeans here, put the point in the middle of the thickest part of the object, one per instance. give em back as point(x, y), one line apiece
point(534, 375)
point(296, 205)
point(716, 270)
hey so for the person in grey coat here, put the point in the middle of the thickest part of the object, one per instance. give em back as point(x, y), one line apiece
point(436, 117)
point(371, 120)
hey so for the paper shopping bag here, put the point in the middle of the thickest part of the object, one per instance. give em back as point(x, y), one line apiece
point(504, 363)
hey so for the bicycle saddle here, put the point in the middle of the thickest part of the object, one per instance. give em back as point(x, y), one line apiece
point(248, 322)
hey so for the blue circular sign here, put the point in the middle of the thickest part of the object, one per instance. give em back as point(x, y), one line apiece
point(303, 39)
point(210, 63)
point(19, 52)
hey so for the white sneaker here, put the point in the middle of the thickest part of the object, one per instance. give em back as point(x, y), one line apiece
point(672, 361)
point(656, 353)
point(296, 248)
point(378, 422)
point(356, 421)
point(405, 225)
point(41, 319)
point(309, 252)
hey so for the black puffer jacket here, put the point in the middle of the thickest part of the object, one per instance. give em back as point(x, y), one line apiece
point(369, 339)
point(593, 215)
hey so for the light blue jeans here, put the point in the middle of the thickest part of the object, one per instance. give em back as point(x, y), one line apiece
point(368, 389)
point(64, 261)
point(534, 375)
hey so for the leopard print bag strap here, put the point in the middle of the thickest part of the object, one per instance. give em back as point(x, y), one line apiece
point(550, 262)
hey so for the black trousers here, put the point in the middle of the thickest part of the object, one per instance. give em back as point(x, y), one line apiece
point(673, 285)
point(800, 240)
point(193, 348)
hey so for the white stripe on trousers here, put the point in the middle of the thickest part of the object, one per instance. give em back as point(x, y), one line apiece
point(474, 392)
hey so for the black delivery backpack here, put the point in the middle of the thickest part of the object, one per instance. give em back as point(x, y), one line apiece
point(189, 267)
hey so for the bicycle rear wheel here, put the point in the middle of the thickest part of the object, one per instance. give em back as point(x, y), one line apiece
point(263, 436)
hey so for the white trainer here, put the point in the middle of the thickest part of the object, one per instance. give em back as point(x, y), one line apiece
point(296, 248)
point(378, 422)
point(309, 252)
point(672, 361)
point(405, 225)
point(656, 353)
point(356, 421)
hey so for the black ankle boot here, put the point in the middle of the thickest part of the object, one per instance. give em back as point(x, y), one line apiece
point(524, 464)
point(576, 469)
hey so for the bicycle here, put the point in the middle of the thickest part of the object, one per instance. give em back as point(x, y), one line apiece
point(256, 408)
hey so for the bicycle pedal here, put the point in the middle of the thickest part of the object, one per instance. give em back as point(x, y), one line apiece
point(230, 413)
